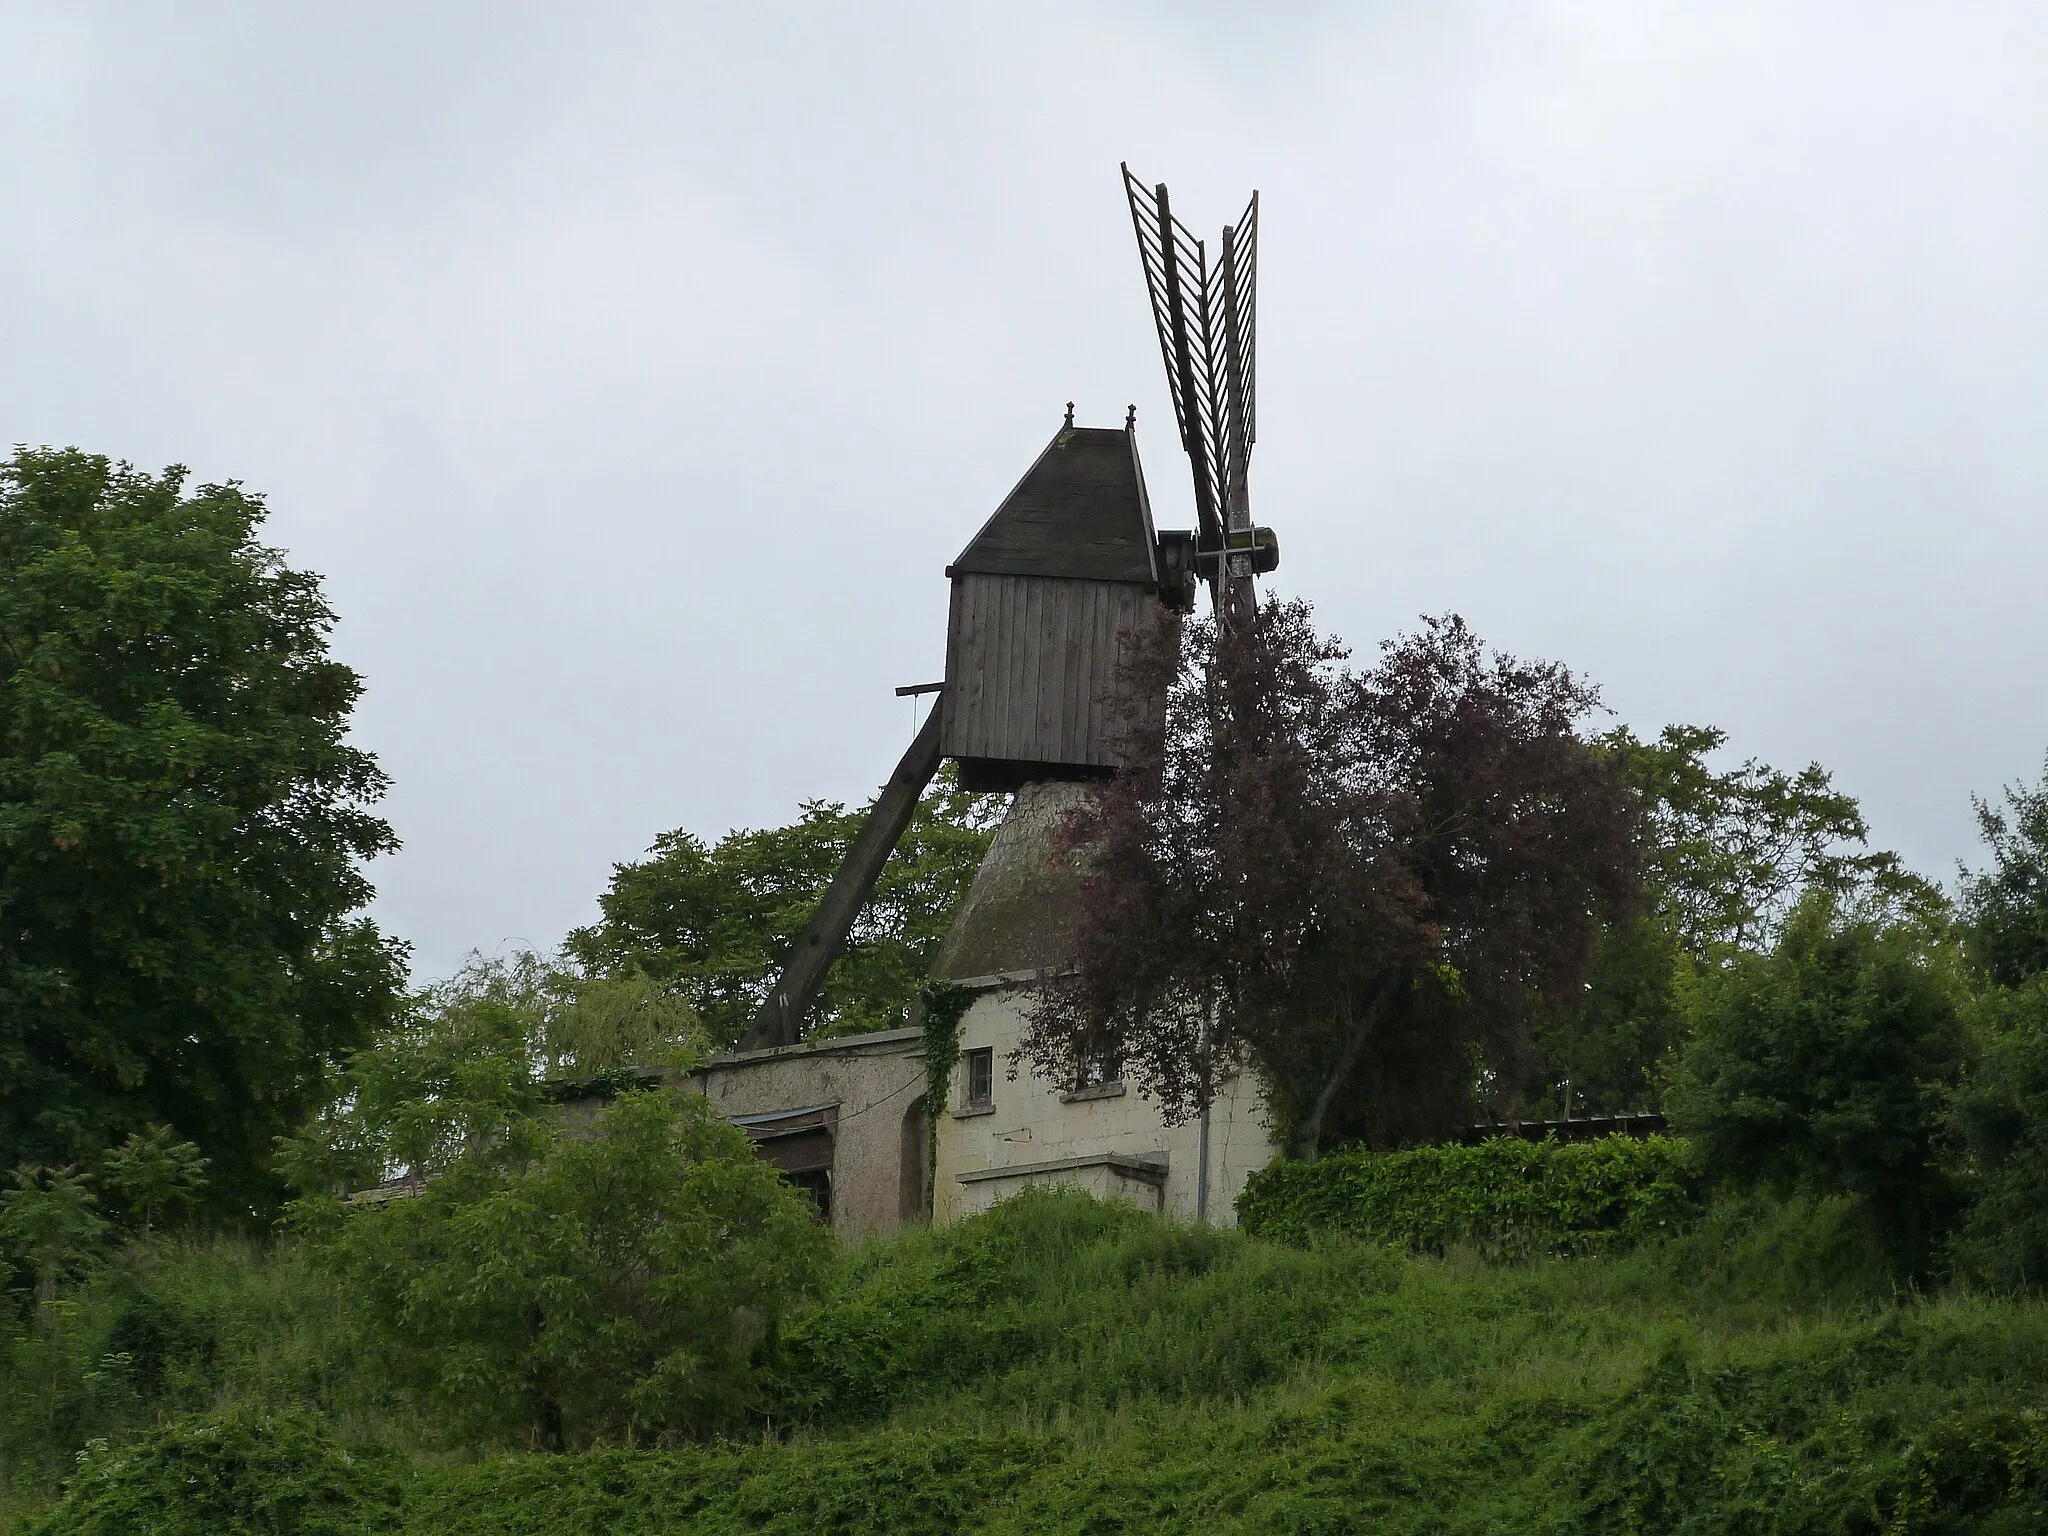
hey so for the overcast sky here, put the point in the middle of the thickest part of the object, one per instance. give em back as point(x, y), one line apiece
point(631, 372)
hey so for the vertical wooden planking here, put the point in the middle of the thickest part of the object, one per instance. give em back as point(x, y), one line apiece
point(1031, 662)
point(1134, 609)
point(1045, 685)
point(1080, 676)
point(983, 645)
point(959, 695)
point(1001, 642)
point(1034, 660)
point(995, 622)
point(1088, 658)
point(978, 642)
point(1075, 639)
point(1023, 656)
point(953, 700)
point(1053, 713)
point(1117, 614)
point(1097, 667)
point(992, 618)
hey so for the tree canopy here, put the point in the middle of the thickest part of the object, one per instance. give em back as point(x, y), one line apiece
point(2006, 905)
point(711, 921)
point(1361, 882)
point(1728, 854)
point(183, 824)
point(1732, 852)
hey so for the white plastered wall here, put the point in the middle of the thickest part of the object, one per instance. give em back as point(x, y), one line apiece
point(1032, 1123)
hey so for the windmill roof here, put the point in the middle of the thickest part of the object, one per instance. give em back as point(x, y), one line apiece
point(1079, 511)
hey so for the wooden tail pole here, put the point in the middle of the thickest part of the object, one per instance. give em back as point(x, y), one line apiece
point(780, 1018)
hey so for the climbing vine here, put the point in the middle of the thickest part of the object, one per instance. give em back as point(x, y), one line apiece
point(944, 1005)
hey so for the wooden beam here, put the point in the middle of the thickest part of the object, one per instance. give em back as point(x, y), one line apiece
point(780, 1018)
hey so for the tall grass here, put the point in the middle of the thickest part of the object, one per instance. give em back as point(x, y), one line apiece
point(1061, 1365)
point(180, 1325)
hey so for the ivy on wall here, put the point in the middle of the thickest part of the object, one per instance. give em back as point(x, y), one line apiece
point(1510, 1197)
point(942, 1006)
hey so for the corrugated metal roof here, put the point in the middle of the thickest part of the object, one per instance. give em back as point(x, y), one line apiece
point(1080, 511)
point(784, 1122)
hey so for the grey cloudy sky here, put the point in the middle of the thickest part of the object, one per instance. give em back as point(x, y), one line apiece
point(632, 371)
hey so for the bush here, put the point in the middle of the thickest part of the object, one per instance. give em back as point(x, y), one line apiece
point(625, 1285)
point(2001, 1118)
point(246, 1473)
point(1510, 1197)
point(1824, 1066)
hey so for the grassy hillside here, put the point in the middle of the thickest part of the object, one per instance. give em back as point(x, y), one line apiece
point(1058, 1365)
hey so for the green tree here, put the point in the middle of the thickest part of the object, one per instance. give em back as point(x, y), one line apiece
point(474, 1061)
point(1825, 1064)
point(1728, 853)
point(539, 1281)
point(712, 921)
point(596, 1025)
point(2001, 1114)
point(1733, 851)
point(153, 1171)
point(182, 823)
point(2006, 906)
point(1606, 1051)
point(48, 1220)
point(2001, 1119)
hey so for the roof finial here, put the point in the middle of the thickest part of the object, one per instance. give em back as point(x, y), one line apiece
point(1130, 418)
point(1070, 413)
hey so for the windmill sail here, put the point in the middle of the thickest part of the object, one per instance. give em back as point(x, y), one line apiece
point(1206, 314)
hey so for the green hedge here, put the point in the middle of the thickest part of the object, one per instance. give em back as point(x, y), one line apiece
point(1511, 1197)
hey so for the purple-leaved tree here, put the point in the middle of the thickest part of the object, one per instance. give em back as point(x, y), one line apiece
point(1359, 883)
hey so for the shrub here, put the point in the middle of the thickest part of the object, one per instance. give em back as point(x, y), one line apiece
point(154, 1173)
point(245, 1473)
point(48, 1220)
point(2001, 1118)
point(1510, 1197)
point(1824, 1065)
point(622, 1285)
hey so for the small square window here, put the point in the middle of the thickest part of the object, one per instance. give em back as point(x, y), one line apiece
point(1098, 1069)
point(978, 1081)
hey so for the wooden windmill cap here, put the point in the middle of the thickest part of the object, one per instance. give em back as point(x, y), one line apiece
point(1080, 511)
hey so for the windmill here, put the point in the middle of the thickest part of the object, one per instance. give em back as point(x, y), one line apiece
point(1067, 566)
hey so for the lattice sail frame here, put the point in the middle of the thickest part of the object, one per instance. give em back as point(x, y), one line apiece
point(1208, 324)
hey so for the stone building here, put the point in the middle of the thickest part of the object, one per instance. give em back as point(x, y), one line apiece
point(844, 1118)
